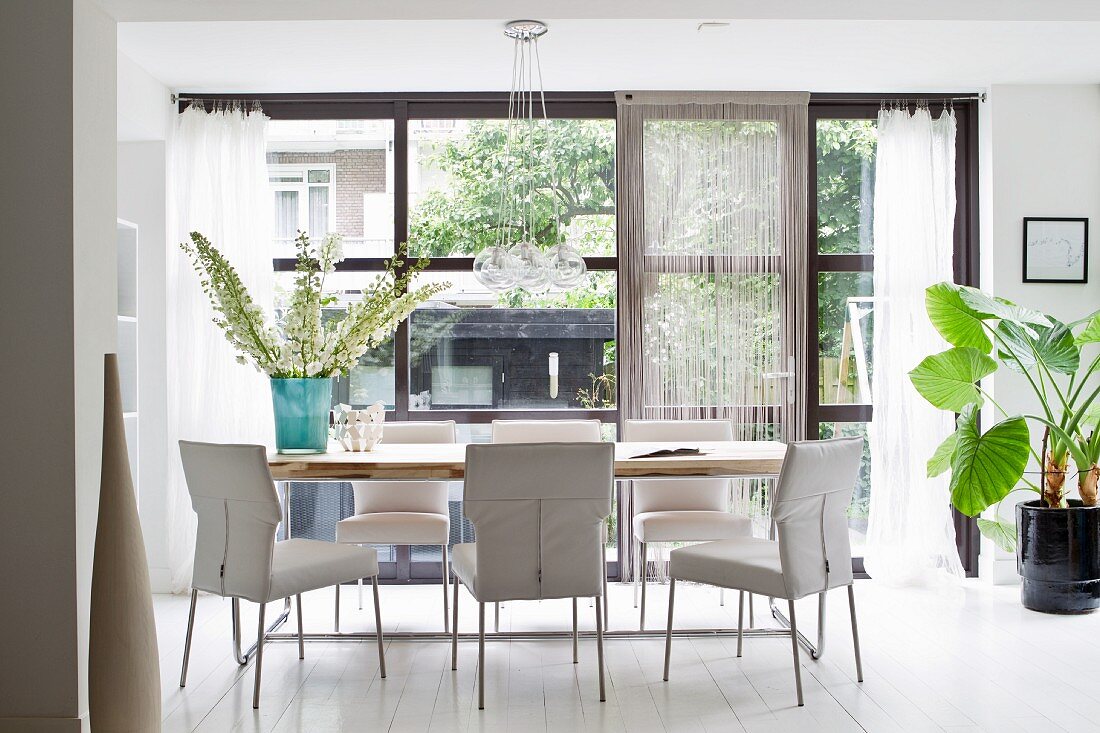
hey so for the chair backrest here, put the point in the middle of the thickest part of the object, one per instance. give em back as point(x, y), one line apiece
point(810, 508)
point(546, 431)
point(238, 511)
point(666, 495)
point(428, 497)
point(537, 511)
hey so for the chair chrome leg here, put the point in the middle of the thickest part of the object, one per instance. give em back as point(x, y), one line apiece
point(480, 656)
point(794, 648)
point(360, 584)
point(496, 616)
point(378, 630)
point(740, 620)
point(645, 568)
point(446, 578)
point(637, 580)
point(721, 596)
point(604, 566)
point(301, 636)
point(187, 639)
point(242, 658)
point(855, 631)
point(820, 649)
point(752, 618)
point(336, 621)
point(599, 646)
point(575, 634)
point(454, 628)
point(260, 634)
point(668, 628)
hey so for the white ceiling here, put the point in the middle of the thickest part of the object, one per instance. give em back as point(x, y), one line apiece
point(217, 10)
point(594, 54)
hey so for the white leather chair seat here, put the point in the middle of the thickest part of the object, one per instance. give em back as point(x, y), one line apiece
point(690, 526)
point(464, 565)
point(394, 528)
point(745, 563)
point(300, 565)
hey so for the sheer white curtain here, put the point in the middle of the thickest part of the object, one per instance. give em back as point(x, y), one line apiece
point(910, 534)
point(218, 186)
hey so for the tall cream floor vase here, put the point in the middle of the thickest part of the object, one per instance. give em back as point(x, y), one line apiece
point(123, 663)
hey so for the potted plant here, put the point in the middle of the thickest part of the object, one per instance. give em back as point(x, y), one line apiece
point(306, 348)
point(1058, 547)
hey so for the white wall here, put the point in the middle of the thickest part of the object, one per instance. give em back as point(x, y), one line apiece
point(141, 200)
point(144, 114)
point(57, 319)
point(1041, 157)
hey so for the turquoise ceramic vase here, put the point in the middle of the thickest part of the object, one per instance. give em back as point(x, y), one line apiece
point(301, 414)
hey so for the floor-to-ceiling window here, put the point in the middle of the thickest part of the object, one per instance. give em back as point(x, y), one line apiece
point(841, 180)
point(422, 168)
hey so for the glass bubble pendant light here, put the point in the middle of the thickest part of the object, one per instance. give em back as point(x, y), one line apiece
point(516, 260)
point(493, 268)
point(567, 267)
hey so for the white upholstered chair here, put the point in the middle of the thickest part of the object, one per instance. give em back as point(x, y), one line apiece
point(812, 554)
point(536, 511)
point(550, 431)
point(236, 554)
point(402, 512)
point(679, 510)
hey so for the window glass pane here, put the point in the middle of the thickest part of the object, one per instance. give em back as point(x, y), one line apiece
point(712, 340)
point(845, 185)
point(457, 171)
point(348, 167)
point(286, 215)
point(372, 379)
point(861, 497)
point(712, 187)
point(471, 348)
point(285, 177)
point(318, 211)
point(845, 331)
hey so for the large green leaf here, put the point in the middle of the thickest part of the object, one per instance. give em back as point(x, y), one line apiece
point(988, 306)
point(986, 467)
point(947, 379)
point(1053, 346)
point(958, 323)
point(1003, 534)
point(941, 459)
point(1091, 334)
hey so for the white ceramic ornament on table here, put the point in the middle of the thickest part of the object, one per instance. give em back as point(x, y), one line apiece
point(359, 430)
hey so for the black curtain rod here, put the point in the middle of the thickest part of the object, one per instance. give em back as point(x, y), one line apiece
point(381, 97)
point(384, 97)
point(912, 98)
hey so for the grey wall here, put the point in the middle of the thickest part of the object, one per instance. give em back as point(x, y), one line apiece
point(57, 308)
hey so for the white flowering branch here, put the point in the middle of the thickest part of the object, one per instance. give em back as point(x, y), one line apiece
point(308, 345)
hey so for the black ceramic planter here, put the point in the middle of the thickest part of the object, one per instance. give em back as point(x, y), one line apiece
point(1058, 557)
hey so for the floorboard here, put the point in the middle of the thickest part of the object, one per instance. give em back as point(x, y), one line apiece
point(959, 658)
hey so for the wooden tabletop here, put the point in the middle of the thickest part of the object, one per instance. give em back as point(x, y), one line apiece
point(448, 461)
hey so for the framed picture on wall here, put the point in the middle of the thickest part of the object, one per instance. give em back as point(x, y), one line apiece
point(1056, 250)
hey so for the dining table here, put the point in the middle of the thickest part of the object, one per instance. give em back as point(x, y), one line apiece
point(758, 459)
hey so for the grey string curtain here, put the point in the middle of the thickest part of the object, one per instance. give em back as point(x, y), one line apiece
point(712, 261)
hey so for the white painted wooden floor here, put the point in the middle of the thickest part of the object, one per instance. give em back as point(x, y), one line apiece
point(962, 659)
